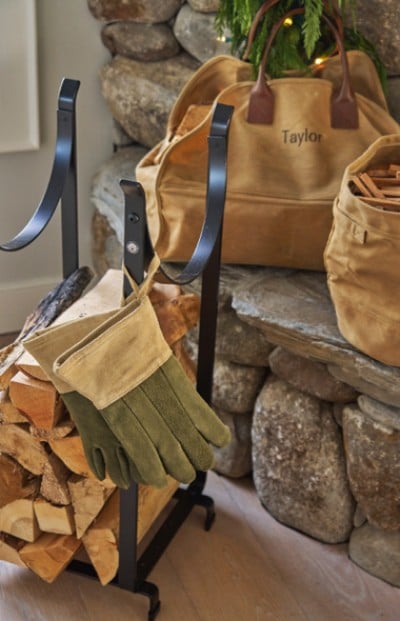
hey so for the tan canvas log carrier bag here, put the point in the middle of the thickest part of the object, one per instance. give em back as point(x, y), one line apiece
point(362, 254)
point(290, 141)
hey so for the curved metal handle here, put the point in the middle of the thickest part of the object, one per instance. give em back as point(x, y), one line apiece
point(61, 170)
point(206, 257)
point(137, 241)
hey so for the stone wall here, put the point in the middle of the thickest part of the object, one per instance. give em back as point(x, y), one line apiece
point(155, 46)
point(316, 422)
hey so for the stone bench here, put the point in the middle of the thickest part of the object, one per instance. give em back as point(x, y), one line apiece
point(319, 420)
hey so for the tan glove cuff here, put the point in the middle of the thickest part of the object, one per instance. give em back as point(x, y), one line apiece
point(116, 357)
point(47, 345)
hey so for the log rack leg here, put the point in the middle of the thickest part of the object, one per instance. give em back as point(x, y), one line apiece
point(127, 577)
point(137, 251)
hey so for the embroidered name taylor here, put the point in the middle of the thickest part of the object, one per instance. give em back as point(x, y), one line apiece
point(300, 137)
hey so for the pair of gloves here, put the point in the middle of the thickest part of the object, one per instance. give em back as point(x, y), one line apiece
point(138, 415)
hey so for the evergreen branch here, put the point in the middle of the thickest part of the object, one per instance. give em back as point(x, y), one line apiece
point(290, 50)
point(311, 25)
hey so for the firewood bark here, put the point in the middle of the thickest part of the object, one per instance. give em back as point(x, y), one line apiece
point(18, 519)
point(18, 443)
point(88, 498)
point(48, 309)
point(57, 301)
point(54, 481)
point(54, 519)
point(38, 400)
point(49, 555)
point(103, 296)
point(15, 481)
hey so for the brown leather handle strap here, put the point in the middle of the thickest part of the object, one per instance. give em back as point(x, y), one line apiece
point(344, 114)
point(264, 8)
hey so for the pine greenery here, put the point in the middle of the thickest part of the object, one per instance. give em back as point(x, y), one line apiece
point(296, 45)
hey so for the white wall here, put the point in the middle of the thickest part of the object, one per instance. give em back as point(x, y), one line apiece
point(69, 45)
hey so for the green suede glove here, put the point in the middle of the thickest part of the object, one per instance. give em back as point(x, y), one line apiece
point(127, 370)
point(103, 451)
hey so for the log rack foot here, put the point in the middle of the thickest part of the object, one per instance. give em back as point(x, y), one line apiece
point(208, 503)
point(151, 591)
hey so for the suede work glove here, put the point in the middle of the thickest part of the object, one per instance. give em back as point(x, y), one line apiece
point(104, 453)
point(126, 369)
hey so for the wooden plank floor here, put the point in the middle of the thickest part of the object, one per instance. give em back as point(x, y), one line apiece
point(247, 568)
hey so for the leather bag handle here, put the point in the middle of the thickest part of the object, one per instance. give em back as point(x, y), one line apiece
point(344, 113)
point(264, 8)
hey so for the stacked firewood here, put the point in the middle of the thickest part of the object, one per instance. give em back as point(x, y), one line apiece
point(51, 505)
point(379, 187)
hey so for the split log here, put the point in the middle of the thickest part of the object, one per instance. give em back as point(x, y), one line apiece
point(48, 309)
point(8, 357)
point(151, 501)
point(54, 481)
point(15, 481)
point(101, 538)
point(102, 296)
point(18, 443)
point(18, 519)
point(9, 550)
point(63, 428)
point(50, 554)
point(38, 400)
point(176, 316)
point(70, 451)
point(54, 519)
point(30, 366)
point(8, 412)
point(88, 498)
point(101, 541)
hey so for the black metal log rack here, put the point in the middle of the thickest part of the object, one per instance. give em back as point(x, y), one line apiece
point(205, 262)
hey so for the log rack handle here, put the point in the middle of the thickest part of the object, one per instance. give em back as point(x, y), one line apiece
point(62, 186)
